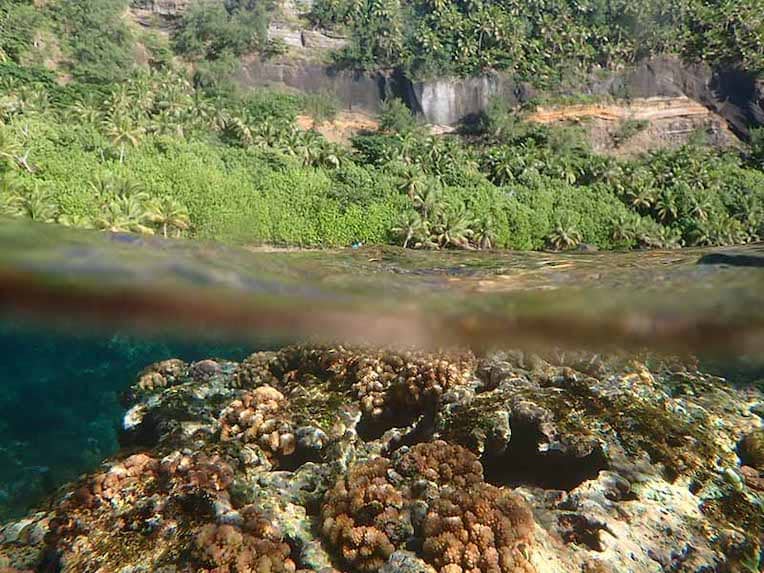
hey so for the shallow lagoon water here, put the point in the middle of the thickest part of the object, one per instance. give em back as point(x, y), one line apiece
point(665, 301)
point(85, 312)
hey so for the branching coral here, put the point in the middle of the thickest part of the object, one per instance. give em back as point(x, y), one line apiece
point(260, 417)
point(159, 376)
point(122, 484)
point(441, 463)
point(383, 381)
point(479, 530)
point(468, 526)
point(137, 501)
point(256, 370)
point(190, 474)
point(362, 516)
point(387, 381)
point(254, 547)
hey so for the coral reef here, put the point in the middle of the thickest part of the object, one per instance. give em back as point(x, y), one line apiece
point(258, 417)
point(362, 516)
point(433, 493)
point(386, 383)
point(354, 460)
point(254, 546)
point(481, 530)
point(751, 449)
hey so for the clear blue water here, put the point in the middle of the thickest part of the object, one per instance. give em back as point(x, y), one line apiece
point(60, 408)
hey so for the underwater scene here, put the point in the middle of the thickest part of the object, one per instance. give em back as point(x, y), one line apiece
point(176, 406)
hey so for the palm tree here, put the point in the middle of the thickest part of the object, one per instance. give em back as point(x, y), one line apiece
point(76, 220)
point(165, 123)
point(500, 164)
point(9, 194)
point(642, 198)
point(37, 204)
point(136, 212)
point(751, 214)
point(201, 112)
point(564, 236)
point(88, 109)
point(112, 219)
point(700, 205)
point(666, 206)
point(414, 184)
point(427, 201)
point(171, 216)
point(626, 228)
point(9, 148)
point(124, 187)
point(483, 234)
point(123, 131)
point(237, 128)
point(10, 105)
point(120, 101)
point(452, 227)
point(102, 185)
point(9, 184)
point(125, 213)
point(35, 101)
point(410, 228)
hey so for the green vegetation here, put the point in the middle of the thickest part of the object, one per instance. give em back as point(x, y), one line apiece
point(89, 40)
point(628, 129)
point(211, 30)
point(541, 41)
point(92, 137)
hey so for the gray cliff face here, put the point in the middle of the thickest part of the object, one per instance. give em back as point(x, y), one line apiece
point(355, 91)
point(736, 96)
point(732, 94)
point(164, 8)
point(447, 101)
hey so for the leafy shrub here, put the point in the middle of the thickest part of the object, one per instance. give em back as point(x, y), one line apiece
point(757, 146)
point(210, 29)
point(321, 106)
point(628, 129)
point(396, 117)
point(543, 42)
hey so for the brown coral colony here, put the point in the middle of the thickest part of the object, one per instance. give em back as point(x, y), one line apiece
point(469, 526)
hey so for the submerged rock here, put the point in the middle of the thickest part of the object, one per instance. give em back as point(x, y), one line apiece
point(340, 460)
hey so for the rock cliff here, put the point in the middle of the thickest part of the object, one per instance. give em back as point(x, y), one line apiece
point(734, 95)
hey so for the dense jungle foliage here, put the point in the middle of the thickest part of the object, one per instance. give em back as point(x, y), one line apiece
point(101, 126)
point(543, 41)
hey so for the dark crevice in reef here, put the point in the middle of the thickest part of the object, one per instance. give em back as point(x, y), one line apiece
point(50, 562)
point(423, 431)
point(415, 428)
point(370, 429)
point(523, 464)
point(581, 531)
point(144, 435)
point(298, 459)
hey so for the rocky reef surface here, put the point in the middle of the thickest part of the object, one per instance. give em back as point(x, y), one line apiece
point(336, 459)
